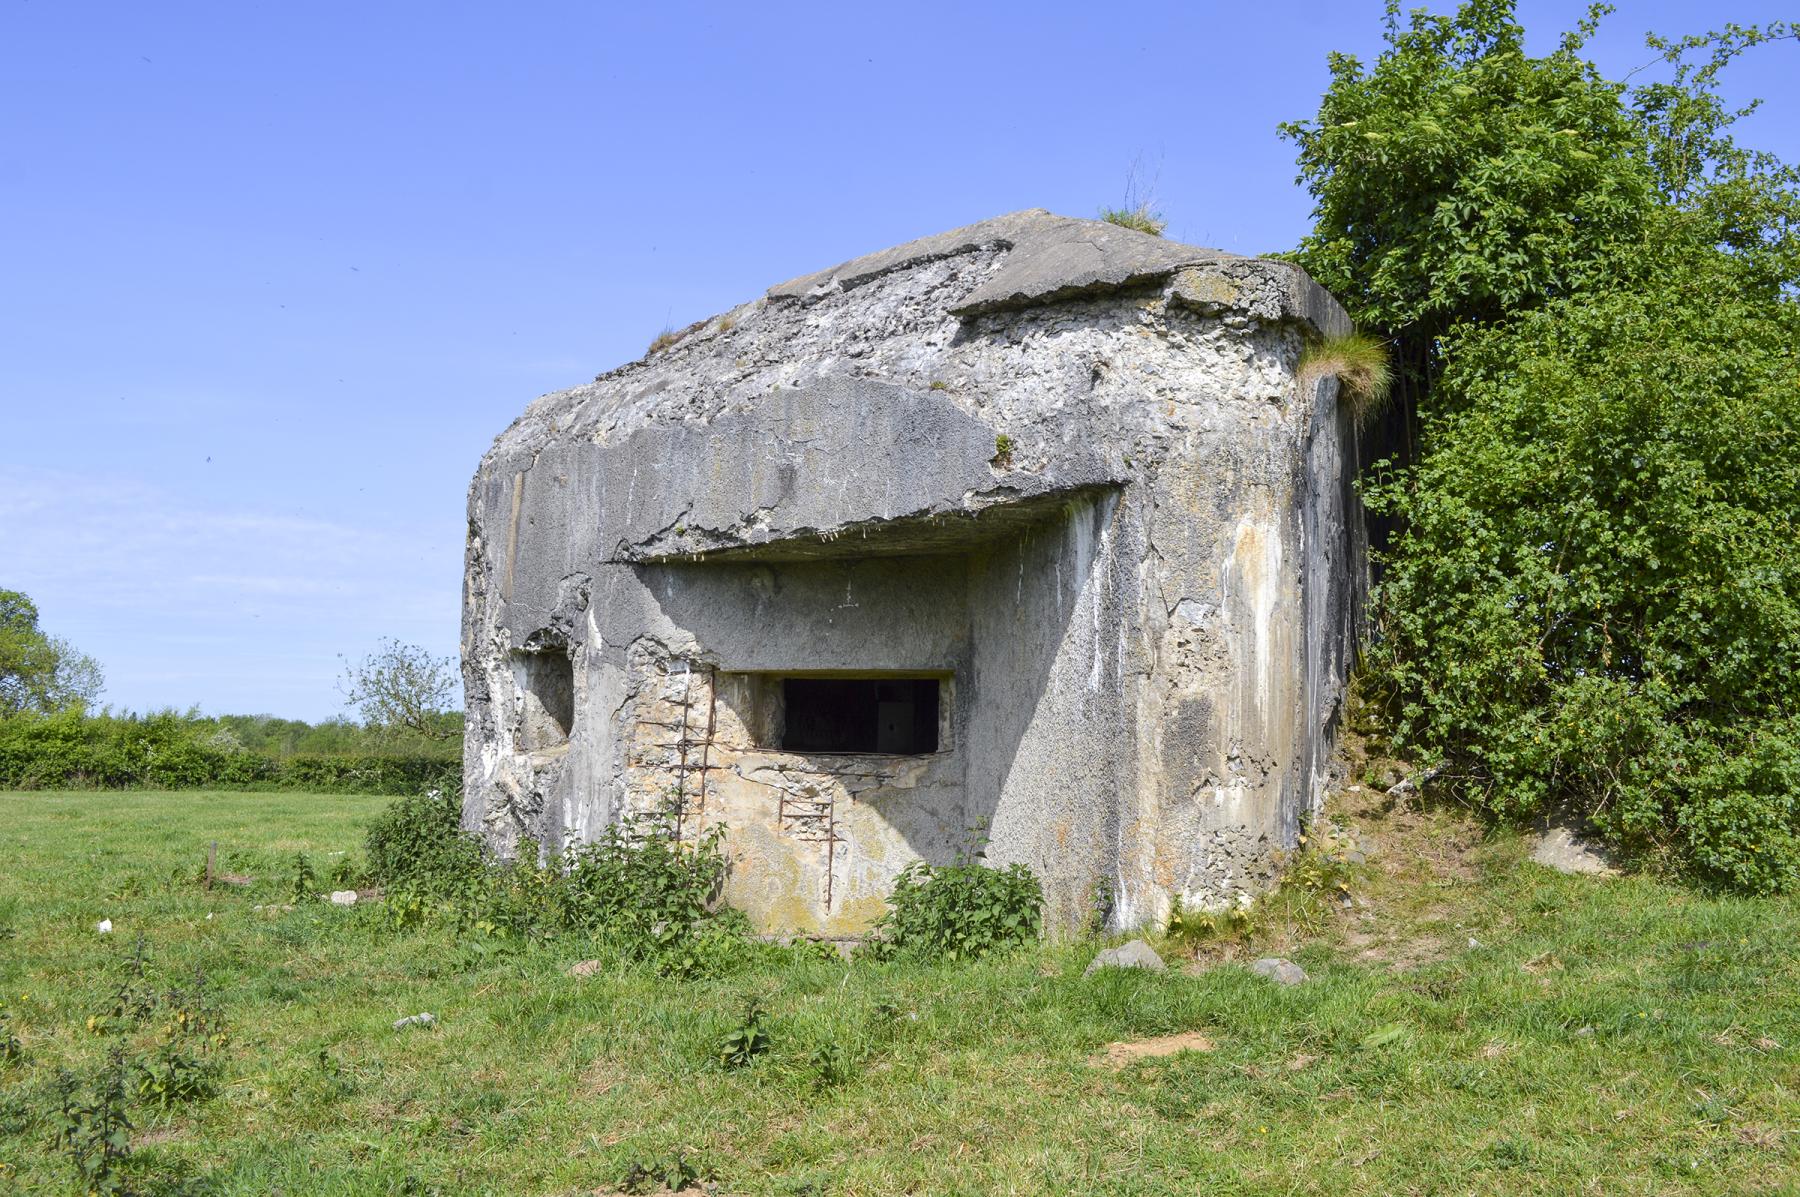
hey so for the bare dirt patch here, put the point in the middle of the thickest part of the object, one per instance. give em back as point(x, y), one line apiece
point(1123, 1055)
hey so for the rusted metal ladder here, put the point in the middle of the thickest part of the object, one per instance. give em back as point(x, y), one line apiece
point(686, 744)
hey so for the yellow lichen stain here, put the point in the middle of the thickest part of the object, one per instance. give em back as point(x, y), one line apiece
point(857, 915)
point(1062, 834)
point(1203, 287)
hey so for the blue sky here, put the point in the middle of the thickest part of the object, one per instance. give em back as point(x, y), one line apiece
point(276, 274)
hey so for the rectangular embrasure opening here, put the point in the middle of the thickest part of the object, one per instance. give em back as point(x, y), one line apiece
point(546, 683)
point(860, 714)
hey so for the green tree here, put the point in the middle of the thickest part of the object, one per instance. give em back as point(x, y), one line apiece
point(38, 672)
point(1593, 597)
point(1460, 179)
point(404, 692)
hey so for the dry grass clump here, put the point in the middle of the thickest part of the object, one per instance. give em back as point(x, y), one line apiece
point(665, 339)
point(1360, 364)
point(1140, 218)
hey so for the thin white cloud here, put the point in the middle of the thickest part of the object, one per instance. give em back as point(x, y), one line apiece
point(232, 608)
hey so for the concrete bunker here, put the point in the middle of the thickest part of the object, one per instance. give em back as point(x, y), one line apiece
point(1031, 526)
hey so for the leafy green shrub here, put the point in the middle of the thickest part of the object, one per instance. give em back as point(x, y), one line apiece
point(418, 841)
point(134, 998)
point(176, 1074)
point(1459, 178)
point(677, 1172)
point(642, 885)
point(959, 912)
point(832, 1063)
point(646, 893)
point(1591, 596)
point(345, 874)
point(305, 885)
point(94, 1128)
point(1595, 602)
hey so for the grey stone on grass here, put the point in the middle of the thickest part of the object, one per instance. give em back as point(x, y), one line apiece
point(422, 1019)
point(343, 897)
point(1136, 954)
point(1279, 969)
point(1560, 846)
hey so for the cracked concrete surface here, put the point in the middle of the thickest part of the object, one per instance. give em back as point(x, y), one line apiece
point(1063, 468)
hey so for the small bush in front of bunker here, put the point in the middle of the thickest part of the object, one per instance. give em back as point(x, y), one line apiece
point(959, 912)
point(642, 885)
point(638, 885)
point(418, 842)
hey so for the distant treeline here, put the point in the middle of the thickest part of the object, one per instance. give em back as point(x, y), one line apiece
point(174, 750)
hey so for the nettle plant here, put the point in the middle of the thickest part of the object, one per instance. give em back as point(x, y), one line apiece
point(960, 911)
point(639, 881)
point(640, 886)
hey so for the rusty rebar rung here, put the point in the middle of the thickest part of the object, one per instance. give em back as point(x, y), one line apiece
point(831, 843)
point(681, 754)
point(712, 710)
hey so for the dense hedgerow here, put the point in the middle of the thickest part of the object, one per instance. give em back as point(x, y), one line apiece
point(173, 751)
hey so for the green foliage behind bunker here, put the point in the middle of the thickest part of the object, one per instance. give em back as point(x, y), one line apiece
point(1590, 599)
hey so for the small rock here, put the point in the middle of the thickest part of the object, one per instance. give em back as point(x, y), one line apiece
point(1473, 942)
point(1559, 846)
point(343, 897)
point(423, 1019)
point(1136, 954)
point(1408, 786)
point(1279, 969)
point(1584, 1032)
point(585, 968)
point(103, 927)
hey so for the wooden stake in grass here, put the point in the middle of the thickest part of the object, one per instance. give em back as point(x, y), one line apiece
point(212, 852)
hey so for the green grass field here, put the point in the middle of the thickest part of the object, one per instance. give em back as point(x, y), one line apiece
point(1474, 1025)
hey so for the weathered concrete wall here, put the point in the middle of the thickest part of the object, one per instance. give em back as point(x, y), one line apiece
point(1142, 611)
